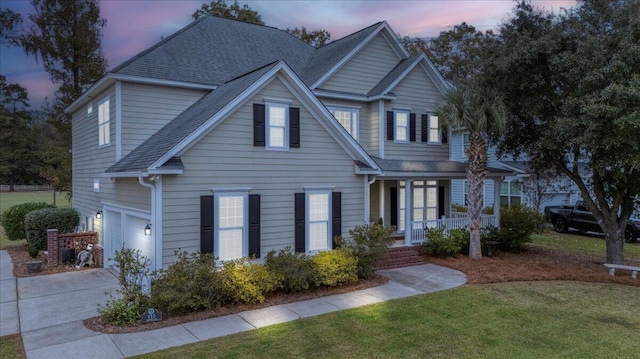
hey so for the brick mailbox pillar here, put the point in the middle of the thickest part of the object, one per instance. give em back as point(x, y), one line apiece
point(52, 248)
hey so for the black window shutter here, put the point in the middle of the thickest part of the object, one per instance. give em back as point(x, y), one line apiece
point(336, 216)
point(294, 127)
point(390, 125)
point(424, 127)
point(445, 135)
point(259, 125)
point(254, 225)
point(393, 194)
point(206, 224)
point(299, 222)
point(412, 127)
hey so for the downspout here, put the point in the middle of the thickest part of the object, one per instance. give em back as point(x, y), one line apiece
point(154, 227)
point(367, 191)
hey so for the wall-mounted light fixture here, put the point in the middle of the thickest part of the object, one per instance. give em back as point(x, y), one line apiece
point(147, 229)
point(99, 214)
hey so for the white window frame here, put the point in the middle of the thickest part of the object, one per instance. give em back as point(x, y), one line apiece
point(433, 130)
point(426, 186)
point(245, 223)
point(509, 195)
point(309, 222)
point(354, 119)
point(397, 128)
point(268, 126)
point(466, 141)
point(104, 122)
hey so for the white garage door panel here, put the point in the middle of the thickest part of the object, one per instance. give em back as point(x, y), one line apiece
point(138, 240)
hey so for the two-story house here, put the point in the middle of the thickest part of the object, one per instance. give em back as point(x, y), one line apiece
point(238, 139)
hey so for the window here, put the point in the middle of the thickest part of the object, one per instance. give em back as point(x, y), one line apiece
point(318, 220)
point(277, 125)
point(466, 142)
point(104, 131)
point(425, 202)
point(348, 118)
point(231, 221)
point(434, 130)
point(401, 130)
point(510, 193)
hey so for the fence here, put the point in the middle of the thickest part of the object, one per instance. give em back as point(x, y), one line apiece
point(418, 233)
point(26, 187)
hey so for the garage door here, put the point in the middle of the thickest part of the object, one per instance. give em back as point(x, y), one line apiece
point(113, 234)
point(125, 229)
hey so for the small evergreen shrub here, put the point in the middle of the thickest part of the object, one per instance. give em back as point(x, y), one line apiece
point(13, 218)
point(335, 268)
point(368, 245)
point(37, 222)
point(32, 251)
point(294, 271)
point(246, 282)
point(462, 237)
point(189, 285)
point(440, 245)
point(517, 224)
point(134, 271)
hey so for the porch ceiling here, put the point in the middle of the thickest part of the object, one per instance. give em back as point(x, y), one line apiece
point(430, 169)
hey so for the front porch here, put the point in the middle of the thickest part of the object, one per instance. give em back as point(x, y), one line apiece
point(418, 228)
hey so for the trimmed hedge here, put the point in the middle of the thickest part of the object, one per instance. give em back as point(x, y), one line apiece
point(294, 271)
point(37, 222)
point(517, 224)
point(369, 244)
point(335, 268)
point(13, 218)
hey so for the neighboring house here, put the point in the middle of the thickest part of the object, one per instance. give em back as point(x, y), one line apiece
point(239, 139)
point(521, 188)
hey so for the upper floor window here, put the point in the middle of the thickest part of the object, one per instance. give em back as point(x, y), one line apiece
point(434, 130)
point(104, 133)
point(277, 126)
point(348, 118)
point(401, 129)
point(466, 142)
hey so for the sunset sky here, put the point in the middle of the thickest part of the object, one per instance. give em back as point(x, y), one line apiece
point(133, 26)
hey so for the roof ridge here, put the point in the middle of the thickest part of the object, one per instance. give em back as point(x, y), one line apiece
point(352, 34)
point(254, 70)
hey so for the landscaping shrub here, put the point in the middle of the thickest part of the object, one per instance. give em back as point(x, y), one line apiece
point(369, 245)
point(458, 208)
point(246, 282)
point(440, 245)
point(37, 222)
point(336, 267)
point(294, 271)
point(190, 284)
point(32, 251)
point(133, 273)
point(517, 224)
point(13, 218)
point(462, 237)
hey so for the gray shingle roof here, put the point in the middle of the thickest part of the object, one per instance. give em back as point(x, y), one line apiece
point(435, 168)
point(161, 142)
point(213, 50)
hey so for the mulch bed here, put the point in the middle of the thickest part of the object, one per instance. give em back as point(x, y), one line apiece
point(20, 257)
point(534, 264)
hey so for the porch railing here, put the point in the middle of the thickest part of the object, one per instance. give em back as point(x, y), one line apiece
point(418, 233)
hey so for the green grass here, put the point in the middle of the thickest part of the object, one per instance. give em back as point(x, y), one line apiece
point(505, 320)
point(11, 347)
point(581, 244)
point(8, 199)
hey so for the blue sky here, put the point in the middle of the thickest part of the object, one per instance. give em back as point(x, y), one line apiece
point(134, 25)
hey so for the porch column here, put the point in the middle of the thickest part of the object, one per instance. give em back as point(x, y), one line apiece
point(381, 202)
point(497, 183)
point(408, 211)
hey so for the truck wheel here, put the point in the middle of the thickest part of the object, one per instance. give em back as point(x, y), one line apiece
point(560, 225)
point(628, 236)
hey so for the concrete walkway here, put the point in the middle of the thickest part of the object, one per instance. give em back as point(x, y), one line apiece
point(51, 309)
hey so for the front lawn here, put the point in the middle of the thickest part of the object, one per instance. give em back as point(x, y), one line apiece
point(11, 347)
point(583, 243)
point(502, 320)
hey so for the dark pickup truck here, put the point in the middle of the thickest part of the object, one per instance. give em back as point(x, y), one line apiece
point(580, 218)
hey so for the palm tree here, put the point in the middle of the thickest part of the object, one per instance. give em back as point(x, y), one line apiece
point(477, 110)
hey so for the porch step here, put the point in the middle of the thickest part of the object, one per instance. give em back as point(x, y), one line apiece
point(397, 257)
